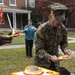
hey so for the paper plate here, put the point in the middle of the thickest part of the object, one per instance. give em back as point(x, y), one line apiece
point(64, 57)
point(18, 73)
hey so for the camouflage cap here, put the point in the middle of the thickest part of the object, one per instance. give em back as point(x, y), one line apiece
point(58, 6)
point(59, 10)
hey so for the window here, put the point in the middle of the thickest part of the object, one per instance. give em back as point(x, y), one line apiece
point(12, 2)
point(32, 3)
point(1, 2)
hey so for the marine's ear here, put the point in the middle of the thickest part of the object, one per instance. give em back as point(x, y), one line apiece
point(50, 16)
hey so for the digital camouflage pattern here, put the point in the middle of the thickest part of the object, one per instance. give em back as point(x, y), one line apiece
point(59, 10)
point(46, 44)
point(58, 6)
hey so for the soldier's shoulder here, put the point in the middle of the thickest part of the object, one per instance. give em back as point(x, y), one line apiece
point(64, 27)
point(42, 26)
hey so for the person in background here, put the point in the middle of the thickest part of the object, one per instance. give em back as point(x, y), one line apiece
point(29, 31)
point(49, 36)
point(39, 23)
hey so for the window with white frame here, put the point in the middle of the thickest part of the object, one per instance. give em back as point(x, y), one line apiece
point(12, 2)
point(1, 1)
point(32, 3)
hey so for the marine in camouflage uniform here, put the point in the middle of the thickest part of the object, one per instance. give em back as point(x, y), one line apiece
point(47, 41)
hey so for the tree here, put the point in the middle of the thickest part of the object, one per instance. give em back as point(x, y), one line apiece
point(35, 16)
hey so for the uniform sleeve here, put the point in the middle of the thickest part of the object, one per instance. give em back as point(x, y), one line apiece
point(64, 43)
point(39, 46)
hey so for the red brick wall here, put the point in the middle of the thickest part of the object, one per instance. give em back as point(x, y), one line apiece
point(19, 3)
point(6, 2)
point(39, 3)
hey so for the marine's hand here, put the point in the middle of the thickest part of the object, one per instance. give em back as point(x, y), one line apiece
point(67, 52)
point(55, 59)
point(5, 39)
point(9, 38)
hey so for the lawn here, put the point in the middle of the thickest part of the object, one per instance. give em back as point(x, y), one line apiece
point(14, 60)
point(20, 40)
point(72, 46)
point(71, 34)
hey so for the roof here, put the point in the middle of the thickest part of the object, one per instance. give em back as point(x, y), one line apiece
point(11, 10)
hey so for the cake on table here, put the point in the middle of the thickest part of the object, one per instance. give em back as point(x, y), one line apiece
point(36, 70)
point(33, 70)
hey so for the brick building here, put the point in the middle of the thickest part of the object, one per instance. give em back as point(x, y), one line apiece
point(15, 13)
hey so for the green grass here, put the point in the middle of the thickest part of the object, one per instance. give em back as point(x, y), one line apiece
point(69, 64)
point(71, 34)
point(14, 60)
point(72, 46)
point(18, 40)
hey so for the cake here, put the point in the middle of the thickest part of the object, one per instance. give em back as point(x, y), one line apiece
point(33, 70)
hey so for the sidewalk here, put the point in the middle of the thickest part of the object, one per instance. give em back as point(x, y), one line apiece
point(14, 46)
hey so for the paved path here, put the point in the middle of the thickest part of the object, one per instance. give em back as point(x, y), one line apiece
point(71, 40)
point(12, 46)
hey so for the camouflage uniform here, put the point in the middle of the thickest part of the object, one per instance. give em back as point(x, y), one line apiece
point(46, 44)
